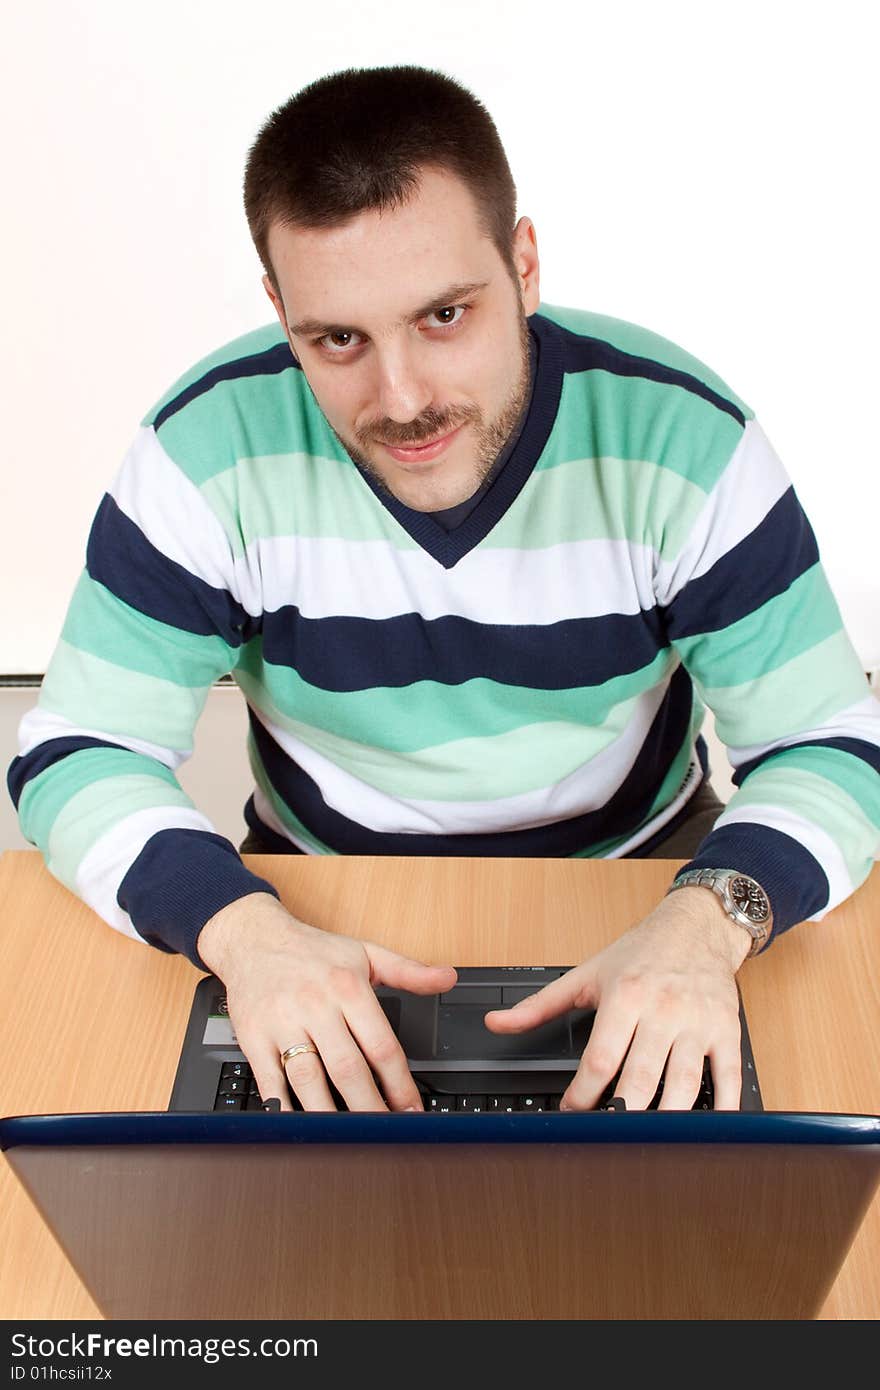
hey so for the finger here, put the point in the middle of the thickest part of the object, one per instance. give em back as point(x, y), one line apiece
point(385, 1056)
point(401, 972)
point(610, 1036)
point(725, 1058)
point(573, 990)
point(643, 1068)
point(684, 1074)
point(346, 1066)
point(308, 1080)
point(268, 1072)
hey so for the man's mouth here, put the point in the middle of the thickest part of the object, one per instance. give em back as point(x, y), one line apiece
point(421, 453)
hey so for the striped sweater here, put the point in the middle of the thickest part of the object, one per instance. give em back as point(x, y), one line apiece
point(530, 683)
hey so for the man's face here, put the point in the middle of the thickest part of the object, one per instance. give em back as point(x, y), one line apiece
point(411, 333)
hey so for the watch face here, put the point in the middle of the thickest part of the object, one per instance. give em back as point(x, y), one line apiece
point(749, 898)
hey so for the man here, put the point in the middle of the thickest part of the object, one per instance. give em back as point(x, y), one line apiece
point(470, 559)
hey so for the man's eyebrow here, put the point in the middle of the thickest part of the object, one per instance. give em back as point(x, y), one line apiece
point(317, 328)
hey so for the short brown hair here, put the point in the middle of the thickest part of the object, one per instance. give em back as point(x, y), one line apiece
point(358, 140)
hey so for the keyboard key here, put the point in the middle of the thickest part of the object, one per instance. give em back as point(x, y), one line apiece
point(440, 1105)
point(235, 1069)
point(535, 1103)
point(233, 1086)
point(501, 1104)
point(229, 1103)
point(472, 1104)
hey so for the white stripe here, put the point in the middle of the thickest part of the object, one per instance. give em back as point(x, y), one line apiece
point(814, 839)
point(861, 721)
point(105, 865)
point(751, 484)
point(328, 576)
point(173, 514)
point(39, 725)
point(585, 789)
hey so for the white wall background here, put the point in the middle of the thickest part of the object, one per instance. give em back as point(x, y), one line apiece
point(708, 170)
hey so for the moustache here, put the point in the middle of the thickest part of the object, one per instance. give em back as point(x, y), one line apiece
point(431, 424)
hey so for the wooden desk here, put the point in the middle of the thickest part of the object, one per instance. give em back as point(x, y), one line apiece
point(92, 1021)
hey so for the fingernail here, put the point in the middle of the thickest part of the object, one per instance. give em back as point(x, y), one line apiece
point(411, 1109)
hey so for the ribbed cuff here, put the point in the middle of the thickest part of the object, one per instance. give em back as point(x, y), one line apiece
point(794, 881)
point(177, 883)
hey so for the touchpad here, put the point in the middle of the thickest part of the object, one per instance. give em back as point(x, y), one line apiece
point(462, 1033)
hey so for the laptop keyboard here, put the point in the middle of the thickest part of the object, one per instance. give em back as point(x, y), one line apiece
point(237, 1090)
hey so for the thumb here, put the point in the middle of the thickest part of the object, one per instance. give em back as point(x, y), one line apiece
point(389, 968)
point(570, 991)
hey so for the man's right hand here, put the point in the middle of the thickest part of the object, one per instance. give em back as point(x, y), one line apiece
point(288, 983)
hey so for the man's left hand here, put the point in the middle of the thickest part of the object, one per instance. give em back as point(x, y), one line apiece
point(665, 997)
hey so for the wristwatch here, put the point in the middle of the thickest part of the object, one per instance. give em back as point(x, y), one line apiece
point(742, 898)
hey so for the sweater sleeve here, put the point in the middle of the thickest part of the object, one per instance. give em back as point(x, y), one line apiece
point(155, 619)
point(750, 612)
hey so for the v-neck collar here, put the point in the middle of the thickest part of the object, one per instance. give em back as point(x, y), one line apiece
point(448, 547)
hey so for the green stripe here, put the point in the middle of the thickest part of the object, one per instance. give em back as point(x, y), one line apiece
point(248, 345)
point(101, 807)
point(629, 418)
point(104, 626)
point(45, 795)
point(782, 629)
point(250, 417)
point(470, 769)
point(641, 342)
point(427, 713)
point(790, 700)
point(98, 695)
point(298, 495)
point(846, 771)
point(601, 498)
point(821, 803)
point(617, 499)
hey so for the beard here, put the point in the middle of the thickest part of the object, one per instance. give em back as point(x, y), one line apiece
point(490, 436)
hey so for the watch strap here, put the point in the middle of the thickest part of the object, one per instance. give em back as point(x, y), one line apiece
point(719, 881)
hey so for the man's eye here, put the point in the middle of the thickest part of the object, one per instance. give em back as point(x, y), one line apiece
point(448, 315)
point(339, 341)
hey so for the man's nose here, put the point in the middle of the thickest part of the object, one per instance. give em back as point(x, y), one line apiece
point(402, 387)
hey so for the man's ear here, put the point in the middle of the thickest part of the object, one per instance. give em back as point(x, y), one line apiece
point(278, 304)
point(526, 264)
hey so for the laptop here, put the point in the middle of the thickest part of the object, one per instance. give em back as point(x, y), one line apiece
point(509, 1213)
point(457, 1064)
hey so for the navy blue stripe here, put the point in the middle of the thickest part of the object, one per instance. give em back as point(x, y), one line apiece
point(268, 363)
point(859, 748)
point(22, 770)
point(794, 881)
point(582, 354)
point(120, 557)
point(763, 565)
point(622, 813)
point(347, 654)
point(177, 883)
